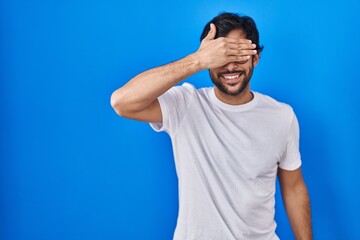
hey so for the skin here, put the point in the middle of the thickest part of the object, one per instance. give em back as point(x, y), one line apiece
point(234, 91)
point(297, 202)
point(224, 57)
point(137, 99)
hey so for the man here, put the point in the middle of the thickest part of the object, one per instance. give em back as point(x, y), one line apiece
point(229, 142)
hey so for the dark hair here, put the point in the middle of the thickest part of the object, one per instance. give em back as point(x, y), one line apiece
point(226, 22)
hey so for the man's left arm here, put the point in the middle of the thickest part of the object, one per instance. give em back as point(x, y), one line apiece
point(297, 202)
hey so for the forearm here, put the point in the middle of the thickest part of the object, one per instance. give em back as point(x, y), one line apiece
point(297, 204)
point(143, 89)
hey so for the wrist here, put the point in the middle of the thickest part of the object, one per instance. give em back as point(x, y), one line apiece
point(196, 62)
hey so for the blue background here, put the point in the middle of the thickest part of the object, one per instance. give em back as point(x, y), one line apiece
point(72, 169)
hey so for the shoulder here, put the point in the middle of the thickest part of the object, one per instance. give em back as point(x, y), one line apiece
point(282, 109)
point(179, 96)
point(184, 89)
point(187, 87)
point(188, 90)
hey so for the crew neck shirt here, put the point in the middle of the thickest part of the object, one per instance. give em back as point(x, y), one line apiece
point(226, 159)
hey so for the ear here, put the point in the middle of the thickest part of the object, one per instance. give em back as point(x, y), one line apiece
point(256, 59)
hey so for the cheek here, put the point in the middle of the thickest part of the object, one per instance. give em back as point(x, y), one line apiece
point(213, 73)
point(213, 76)
point(249, 68)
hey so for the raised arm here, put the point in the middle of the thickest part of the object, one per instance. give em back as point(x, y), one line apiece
point(137, 99)
point(297, 203)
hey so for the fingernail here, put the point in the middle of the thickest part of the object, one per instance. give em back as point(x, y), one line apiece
point(249, 41)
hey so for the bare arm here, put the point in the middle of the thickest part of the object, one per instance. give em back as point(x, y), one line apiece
point(297, 202)
point(138, 98)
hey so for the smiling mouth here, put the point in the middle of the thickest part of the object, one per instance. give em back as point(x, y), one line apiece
point(231, 78)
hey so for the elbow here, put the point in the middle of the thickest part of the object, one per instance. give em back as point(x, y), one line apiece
point(117, 103)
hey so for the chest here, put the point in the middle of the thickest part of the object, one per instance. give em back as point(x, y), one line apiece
point(252, 142)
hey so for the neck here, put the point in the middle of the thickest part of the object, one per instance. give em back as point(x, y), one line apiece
point(242, 98)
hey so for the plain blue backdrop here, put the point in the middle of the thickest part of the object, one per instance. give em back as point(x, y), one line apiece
point(72, 169)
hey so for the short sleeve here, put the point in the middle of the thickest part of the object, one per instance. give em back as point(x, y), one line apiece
point(173, 104)
point(291, 159)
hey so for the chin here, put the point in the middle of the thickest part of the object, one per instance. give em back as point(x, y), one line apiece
point(233, 90)
point(231, 87)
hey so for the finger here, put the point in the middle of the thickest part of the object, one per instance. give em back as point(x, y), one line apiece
point(241, 46)
point(238, 58)
point(247, 52)
point(211, 34)
point(240, 40)
point(237, 52)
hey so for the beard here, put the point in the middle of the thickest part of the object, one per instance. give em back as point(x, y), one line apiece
point(223, 87)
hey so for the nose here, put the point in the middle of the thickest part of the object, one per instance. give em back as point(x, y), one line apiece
point(231, 66)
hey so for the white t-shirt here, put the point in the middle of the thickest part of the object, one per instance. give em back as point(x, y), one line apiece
point(226, 160)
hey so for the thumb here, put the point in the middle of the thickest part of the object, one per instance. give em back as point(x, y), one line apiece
point(212, 33)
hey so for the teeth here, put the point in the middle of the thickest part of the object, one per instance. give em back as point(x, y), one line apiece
point(231, 77)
